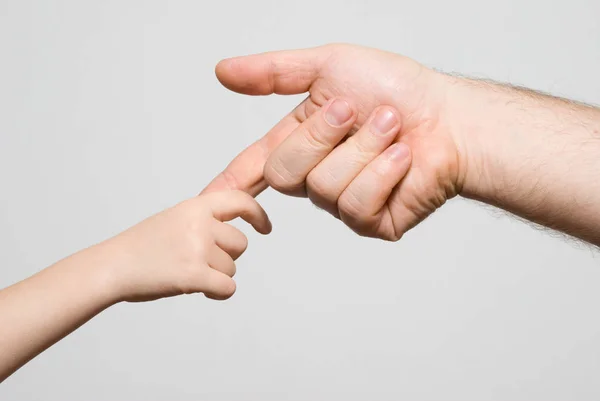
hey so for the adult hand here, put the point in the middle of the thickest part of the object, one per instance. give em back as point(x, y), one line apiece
point(529, 153)
point(382, 98)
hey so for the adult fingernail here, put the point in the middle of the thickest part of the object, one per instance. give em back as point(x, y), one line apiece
point(398, 151)
point(338, 113)
point(384, 121)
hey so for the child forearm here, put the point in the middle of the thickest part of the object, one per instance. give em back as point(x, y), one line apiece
point(41, 310)
point(185, 249)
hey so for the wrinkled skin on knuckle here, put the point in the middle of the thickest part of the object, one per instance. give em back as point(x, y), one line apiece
point(424, 196)
point(353, 214)
point(314, 140)
point(373, 227)
point(320, 189)
point(278, 177)
point(350, 207)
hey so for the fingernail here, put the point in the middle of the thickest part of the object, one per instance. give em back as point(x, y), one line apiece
point(398, 151)
point(384, 121)
point(338, 113)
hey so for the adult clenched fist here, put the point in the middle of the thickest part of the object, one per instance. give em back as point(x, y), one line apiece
point(369, 143)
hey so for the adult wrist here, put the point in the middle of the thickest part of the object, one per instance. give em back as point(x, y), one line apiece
point(529, 153)
point(477, 115)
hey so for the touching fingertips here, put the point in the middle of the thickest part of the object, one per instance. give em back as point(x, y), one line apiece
point(338, 113)
point(385, 120)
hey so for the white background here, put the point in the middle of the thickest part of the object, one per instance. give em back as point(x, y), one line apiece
point(110, 112)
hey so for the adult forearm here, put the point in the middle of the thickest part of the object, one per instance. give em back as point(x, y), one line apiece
point(531, 154)
point(39, 311)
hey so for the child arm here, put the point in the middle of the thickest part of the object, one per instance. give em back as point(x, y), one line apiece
point(185, 249)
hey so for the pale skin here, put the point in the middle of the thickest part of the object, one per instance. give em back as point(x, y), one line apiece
point(380, 143)
point(184, 250)
point(531, 154)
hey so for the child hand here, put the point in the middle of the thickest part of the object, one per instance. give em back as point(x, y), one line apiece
point(185, 249)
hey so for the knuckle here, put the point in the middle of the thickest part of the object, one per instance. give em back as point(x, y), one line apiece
point(228, 179)
point(350, 206)
point(279, 177)
point(321, 189)
point(356, 216)
point(319, 182)
point(315, 138)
